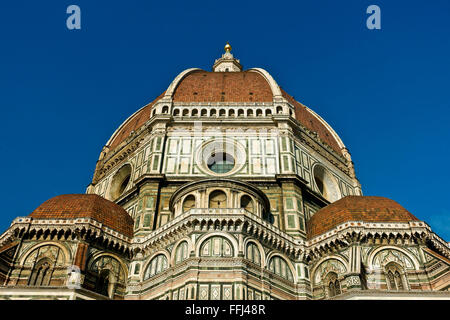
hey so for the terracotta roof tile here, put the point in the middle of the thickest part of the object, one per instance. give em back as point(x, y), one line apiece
point(203, 86)
point(71, 206)
point(134, 123)
point(310, 121)
point(357, 208)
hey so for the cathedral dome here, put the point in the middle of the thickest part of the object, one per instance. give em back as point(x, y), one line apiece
point(72, 206)
point(357, 208)
point(203, 86)
point(228, 83)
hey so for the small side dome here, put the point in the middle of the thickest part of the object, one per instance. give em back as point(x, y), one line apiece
point(357, 208)
point(72, 206)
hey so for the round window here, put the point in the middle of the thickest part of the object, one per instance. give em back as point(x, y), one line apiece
point(120, 182)
point(326, 184)
point(220, 162)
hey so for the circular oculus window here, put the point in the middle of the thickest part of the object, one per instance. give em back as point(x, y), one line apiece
point(326, 183)
point(220, 162)
point(221, 157)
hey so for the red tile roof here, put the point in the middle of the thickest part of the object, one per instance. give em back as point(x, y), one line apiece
point(137, 121)
point(71, 206)
point(203, 86)
point(311, 122)
point(245, 86)
point(357, 208)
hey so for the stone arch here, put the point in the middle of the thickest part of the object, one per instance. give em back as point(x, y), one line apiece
point(340, 268)
point(188, 197)
point(395, 276)
point(286, 260)
point(260, 247)
point(151, 259)
point(243, 198)
point(98, 255)
point(279, 110)
point(205, 237)
point(215, 197)
point(190, 248)
point(372, 255)
point(107, 273)
point(67, 253)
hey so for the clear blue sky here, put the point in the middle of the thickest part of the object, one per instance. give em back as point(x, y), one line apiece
point(386, 92)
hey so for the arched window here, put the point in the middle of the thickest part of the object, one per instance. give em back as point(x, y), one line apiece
point(212, 112)
point(231, 113)
point(240, 113)
point(280, 267)
point(222, 112)
point(279, 109)
point(176, 112)
point(217, 199)
point(253, 253)
point(247, 203)
point(195, 113)
point(41, 274)
point(216, 247)
point(249, 113)
point(394, 278)
point(268, 112)
point(103, 283)
point(120, 182)
point(259, 113)
point(48, 262)
point(107, 276)
point(165, 109)
point(188, 203)
point(326, 183)
point(333, 284)
point(204, 112)
point(156, 266)
point(331, 289)
point(181, 253)
point(185, 112)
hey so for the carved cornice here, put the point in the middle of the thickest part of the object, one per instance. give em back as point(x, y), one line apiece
point(75, 228)
point(350, 232)
point(234, 220)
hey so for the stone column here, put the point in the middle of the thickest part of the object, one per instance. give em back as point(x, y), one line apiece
point(352, 277)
